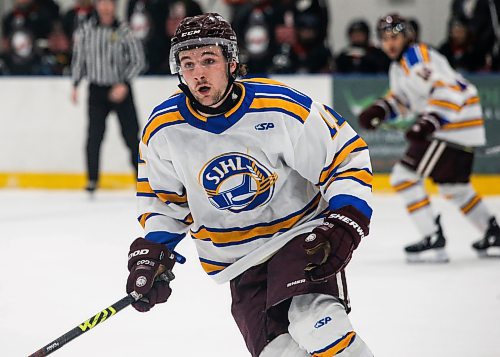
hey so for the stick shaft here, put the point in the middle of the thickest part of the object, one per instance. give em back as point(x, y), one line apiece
point(85, 326)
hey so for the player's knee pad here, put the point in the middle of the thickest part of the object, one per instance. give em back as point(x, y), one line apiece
point(319, 324)
point(401, 173)
point(283, 346)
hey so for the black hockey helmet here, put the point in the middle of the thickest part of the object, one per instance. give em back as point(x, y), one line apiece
point(209, 29)
point(392, 24)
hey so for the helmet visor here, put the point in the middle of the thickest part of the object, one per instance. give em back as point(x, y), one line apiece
point(229, 49)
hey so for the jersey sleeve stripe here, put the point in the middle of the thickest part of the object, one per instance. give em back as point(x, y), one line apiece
point(463, 124)
point(356, 143)
point(276, 88)
point(233, 236)
point(344, 200)
point(362, 176)
point(295, 110)
point(144, 217)
point(145, 190)
point(445, 104)
point(161, 121)
point(336, 347)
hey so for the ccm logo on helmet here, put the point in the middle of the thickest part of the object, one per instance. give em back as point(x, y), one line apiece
point(189, 33)
point(138, 252)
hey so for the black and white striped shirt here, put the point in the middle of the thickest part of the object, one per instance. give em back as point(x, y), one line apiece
point(106, 55)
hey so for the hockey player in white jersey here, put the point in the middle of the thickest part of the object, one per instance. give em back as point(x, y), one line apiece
point(273, 188)
point(448, 126)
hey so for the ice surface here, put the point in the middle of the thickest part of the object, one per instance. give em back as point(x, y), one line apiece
point(63, 259)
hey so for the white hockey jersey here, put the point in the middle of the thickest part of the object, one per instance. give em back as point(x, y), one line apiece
point(423, 81)
point(246, 182)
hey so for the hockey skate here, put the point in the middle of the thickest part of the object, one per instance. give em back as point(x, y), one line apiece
point(431, 249)
point(490, 244)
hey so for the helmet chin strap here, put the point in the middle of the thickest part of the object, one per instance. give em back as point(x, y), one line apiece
point(227, 103)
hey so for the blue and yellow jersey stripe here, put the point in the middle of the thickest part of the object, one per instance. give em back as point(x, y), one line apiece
point(144, 217)
point(221, 237)
point(212, 267)
point(159, 121)
point(418, 53)
point(354, 144)
point(362, 176)
point(465, 124)
point(263, 104)
point(272, 95)
point(336, 347)
point(145, 190)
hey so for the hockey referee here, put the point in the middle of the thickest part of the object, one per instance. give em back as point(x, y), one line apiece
point(106, 52)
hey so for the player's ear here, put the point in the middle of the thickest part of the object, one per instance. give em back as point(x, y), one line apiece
point(232, 67)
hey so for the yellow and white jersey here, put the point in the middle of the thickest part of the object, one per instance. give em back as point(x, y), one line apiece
point(423, 81)
point(249, 179)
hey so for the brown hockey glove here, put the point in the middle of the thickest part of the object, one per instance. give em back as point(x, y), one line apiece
point(146, 262)
point(423, 127)
point(330, 246)
point(374, 115)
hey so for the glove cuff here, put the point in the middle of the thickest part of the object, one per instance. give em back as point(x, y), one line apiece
point(143, 249)
point(353, 221)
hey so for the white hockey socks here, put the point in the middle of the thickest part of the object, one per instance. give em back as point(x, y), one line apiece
point(319, 324)
point(469, 202)
point(410, 186)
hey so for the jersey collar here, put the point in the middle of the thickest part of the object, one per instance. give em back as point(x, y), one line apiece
point(218, 123)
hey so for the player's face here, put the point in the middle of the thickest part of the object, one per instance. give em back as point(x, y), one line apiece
point(393, 45)
point(205, 72)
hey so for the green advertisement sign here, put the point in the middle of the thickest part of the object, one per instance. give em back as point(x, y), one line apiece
point(351, 94)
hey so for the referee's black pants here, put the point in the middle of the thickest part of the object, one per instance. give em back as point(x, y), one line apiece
point(99, 106)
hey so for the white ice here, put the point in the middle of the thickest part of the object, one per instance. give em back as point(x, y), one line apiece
point(63, 259)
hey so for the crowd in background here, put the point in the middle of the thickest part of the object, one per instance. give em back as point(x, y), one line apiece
point(275, 36)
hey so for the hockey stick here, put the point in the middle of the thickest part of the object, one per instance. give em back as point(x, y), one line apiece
point(95, 320)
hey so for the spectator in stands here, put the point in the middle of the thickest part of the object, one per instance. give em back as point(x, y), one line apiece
point(30, 16)
point(57, 55)
point(255, 27)
point(361, 56)
point(147, 20)
point(295, 37)
point(20, 58)
point(485, 28)
point(178, 10)
point(458, 48)
point(310, 53)
point(482, 19)
point(76, 16)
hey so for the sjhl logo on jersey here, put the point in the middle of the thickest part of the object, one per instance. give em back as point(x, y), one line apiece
point(237, 182)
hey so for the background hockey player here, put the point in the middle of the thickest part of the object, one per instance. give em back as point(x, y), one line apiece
point(449, 125)
point(273, 188)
